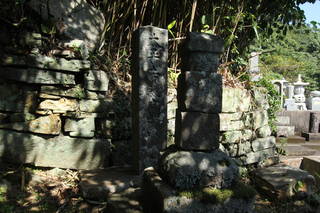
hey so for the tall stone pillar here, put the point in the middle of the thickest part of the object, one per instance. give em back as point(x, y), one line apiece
point(149, 95)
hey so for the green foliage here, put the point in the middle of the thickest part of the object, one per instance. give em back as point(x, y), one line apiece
point(273, 97)
point(297, 52)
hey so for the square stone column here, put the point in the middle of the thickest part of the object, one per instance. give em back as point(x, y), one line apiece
point(149, 95)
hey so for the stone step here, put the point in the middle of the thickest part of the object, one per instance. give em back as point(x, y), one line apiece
point(293, 161)
point(98, 185)
point(299, 150)
point(311, 136)
point(283, 182)
point(312, 165)
point(291, 139)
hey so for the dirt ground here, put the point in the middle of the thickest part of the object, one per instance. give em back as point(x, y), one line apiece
point(30, 189)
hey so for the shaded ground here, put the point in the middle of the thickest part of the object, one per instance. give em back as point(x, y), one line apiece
point(30, 189)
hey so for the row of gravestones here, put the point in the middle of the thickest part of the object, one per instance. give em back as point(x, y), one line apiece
point(209, 116)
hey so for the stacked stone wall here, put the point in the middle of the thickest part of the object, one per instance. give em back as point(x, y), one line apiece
point(56, 111)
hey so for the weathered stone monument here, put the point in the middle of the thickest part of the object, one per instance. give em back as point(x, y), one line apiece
point(196, 162)
point(254, 69)
point(149, 95)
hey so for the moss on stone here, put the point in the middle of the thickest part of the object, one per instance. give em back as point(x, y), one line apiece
point(216, 196)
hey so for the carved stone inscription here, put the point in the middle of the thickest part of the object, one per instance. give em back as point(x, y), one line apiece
point(149, 89)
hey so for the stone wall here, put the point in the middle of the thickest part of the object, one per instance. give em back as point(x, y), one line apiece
point(56, 111)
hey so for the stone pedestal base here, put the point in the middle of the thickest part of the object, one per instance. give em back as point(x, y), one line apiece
point(158, 196)
point(311, 136)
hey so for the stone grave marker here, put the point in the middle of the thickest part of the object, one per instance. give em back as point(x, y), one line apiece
point(149, 89)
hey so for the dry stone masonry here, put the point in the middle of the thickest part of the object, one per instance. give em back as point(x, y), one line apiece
point(55, 106)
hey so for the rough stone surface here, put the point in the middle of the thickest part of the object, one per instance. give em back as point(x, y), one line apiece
point(37, 76)
point(264, 131)
point(239, 149)
point(73, 92)
point(260, 98)
point(285, 131)
point(96, 80)
point(80, 127)
point(282, 120)
point(196, 42)
point(282, 182)
point(149, 92)
point(200, 61)
point(255, 157)
point(96, 106)
point(45, 62)
point(59, 106)
point(16, 99)
point(311, 164)
point(237, 136)
point(263, 143)
point(61, 151)
point(49, 125)
point(231, 121)
point(186, 170)
point(159, 197)
point(314, 122)
point(259, 119)
point(200, 92)
point(79, 19)
point(235, 100)
point(100, 184)
point(197, 131)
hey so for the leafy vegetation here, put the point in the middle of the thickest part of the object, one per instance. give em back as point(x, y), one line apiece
point(297, 52)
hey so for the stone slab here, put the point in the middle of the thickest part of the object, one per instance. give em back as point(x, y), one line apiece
point(298, 150)
point(72, 92)
point(158, 197)
point(300, 119)
point(188, 169)
point(59, 106)
point(49, 125)
point(282, 120)
point(200, 61)
point(45, 62)
point(311, 164)
point(15, 98)
point(236, 100)
point(292, 161)
point(149, 94)
point(96, 80)
point(239, 149)
point(285, 131)
point(203, 42)
point(255, 157)
point(80, 127)
point(200, 92)
point(99, 184)
point(311, 136)
point(259, 119)
point(37, 76)
point(263, 143)
point(264, 131)
point(238, 136)
point(197, 131)
point(283, 182)
point(61, 151)
point(96, 106)
point(231, 121)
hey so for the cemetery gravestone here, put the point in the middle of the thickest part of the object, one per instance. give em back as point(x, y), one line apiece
point(149, 89)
